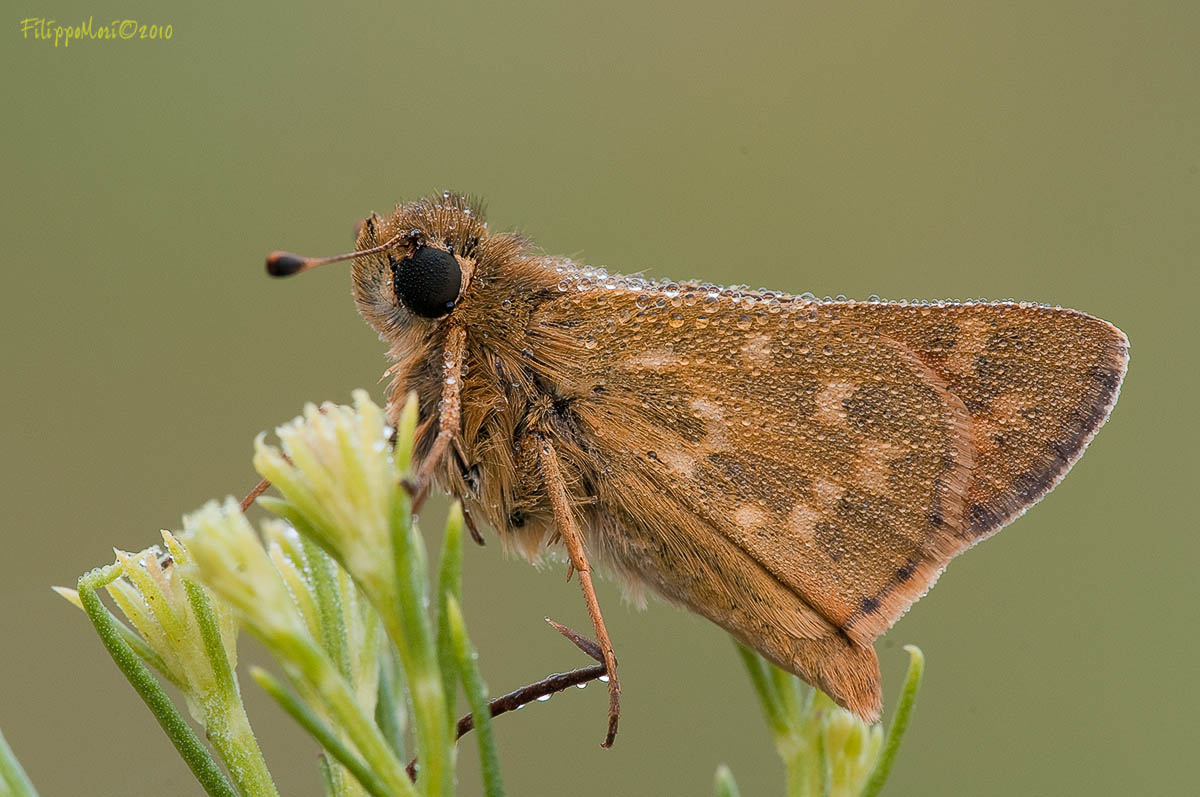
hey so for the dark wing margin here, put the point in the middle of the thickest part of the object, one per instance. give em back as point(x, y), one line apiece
point(1037, 393)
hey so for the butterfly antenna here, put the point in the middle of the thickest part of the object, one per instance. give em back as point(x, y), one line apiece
point(285, 264)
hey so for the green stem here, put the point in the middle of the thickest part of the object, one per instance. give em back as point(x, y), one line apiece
point(329, 604)
point(228, 729)
point(408, 626)
point(787, 694)
point(144, 651)
point(308, 719)
point(895, 734)
point(193, 751)
point(226, 723)
point(321, 570)
point(389, 707)
point(472, 683)
point(314, 667)
point(800, 777)
point(12, 777)
point(764, 687)
point(449, 585)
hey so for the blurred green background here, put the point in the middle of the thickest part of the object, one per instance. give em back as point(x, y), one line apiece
point(1048, 152)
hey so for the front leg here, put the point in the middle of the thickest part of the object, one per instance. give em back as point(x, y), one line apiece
point(449, 414)
point(573, 539)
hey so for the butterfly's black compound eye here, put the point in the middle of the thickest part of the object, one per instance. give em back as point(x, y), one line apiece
point(427, 281)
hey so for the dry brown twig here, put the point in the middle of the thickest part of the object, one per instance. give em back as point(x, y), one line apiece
point(549, 685)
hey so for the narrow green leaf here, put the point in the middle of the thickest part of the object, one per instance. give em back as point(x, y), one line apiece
point(233, 739)
point(327, 780)
point(406, 430)
point(723, 783)
point(193, 751)
point(787, 694)
point(131, 637)
point(214, 648)
point(389, 706)
point(449, 586)
point(408, 625)
point(308, 720)
point(321, 569)
point(895, 734)
point(13, 780)
point(473, 685)
point(764, 687)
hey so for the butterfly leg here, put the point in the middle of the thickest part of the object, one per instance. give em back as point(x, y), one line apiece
point(573, 539)
point(449, 414)
point(253, 495)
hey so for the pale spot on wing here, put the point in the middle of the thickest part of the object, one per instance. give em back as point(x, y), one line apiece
point(874, 465)
point(803, 520)
point(973, 335)
point(829, 402)
point(749, 516)
point(680, 462)
point(1003, 417)
point(827, 491)
point(658, 360)
point(714, 421)
point(757, 351)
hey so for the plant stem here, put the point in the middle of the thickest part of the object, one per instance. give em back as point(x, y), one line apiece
point(308, 720)
point(316, 669)
point(408, 625)
point(472, 683)
point(449, 586)
point(389, 706)
point(193, 751)
point(895, 734)
point(13, 779)
point(226, 723)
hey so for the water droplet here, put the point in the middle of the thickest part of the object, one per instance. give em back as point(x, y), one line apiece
point(562, 286)
point(589, 342)
point(603, 679)
point(827, 350)
point(543, 698)
point(743, 321)
point(676, 320)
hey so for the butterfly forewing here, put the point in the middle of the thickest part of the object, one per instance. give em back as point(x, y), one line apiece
point(849, 449)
